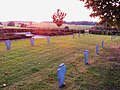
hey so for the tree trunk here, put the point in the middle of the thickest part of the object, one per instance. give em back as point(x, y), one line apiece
point(59, 29)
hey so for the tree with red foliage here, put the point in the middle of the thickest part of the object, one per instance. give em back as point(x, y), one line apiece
point(58, 18)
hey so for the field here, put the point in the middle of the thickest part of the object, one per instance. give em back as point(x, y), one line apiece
point(50, 25)
point(53, 25)
point(27, 67)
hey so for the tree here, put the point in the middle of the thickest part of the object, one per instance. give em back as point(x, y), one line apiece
point(1, 23)
point(107, 10)
point(23, 25)
point(11, 23)
point(58, 18)
point(66, 27)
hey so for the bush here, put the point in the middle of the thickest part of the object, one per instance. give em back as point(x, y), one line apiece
point(82, 31)
point(23, 25)
point(66, 27)
point(11, 23)
point(1, 23)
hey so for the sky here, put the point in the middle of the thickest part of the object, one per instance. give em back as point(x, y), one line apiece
point(42, 10)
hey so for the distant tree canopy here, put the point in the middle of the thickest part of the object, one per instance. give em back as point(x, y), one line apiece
point(11, 23)
point(1, 23)
point(82, 23)
point(66, 27)
point(23, 25)
point(107, 10)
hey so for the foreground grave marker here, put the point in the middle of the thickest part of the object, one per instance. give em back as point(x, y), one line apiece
point(61, 74)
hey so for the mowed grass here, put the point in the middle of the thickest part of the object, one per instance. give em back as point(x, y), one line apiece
point(27, 67)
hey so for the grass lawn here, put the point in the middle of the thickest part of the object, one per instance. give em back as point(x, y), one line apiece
point(27, 67)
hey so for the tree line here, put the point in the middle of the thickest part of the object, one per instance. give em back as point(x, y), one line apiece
point(82, 23)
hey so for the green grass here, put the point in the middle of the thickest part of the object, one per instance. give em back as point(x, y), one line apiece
point(27, 67)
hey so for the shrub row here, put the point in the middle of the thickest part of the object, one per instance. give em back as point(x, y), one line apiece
point(104, 32)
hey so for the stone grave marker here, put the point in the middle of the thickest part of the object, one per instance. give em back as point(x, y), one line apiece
point(32, 41)
point(97, 48)
point(8, 43)
point(61, 74)
point(86, 57)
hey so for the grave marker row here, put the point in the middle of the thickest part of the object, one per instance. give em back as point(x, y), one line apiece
point(97, 52)
point(8, 42)
point(62, 67)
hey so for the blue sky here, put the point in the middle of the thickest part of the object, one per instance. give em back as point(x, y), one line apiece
point(42, 10)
